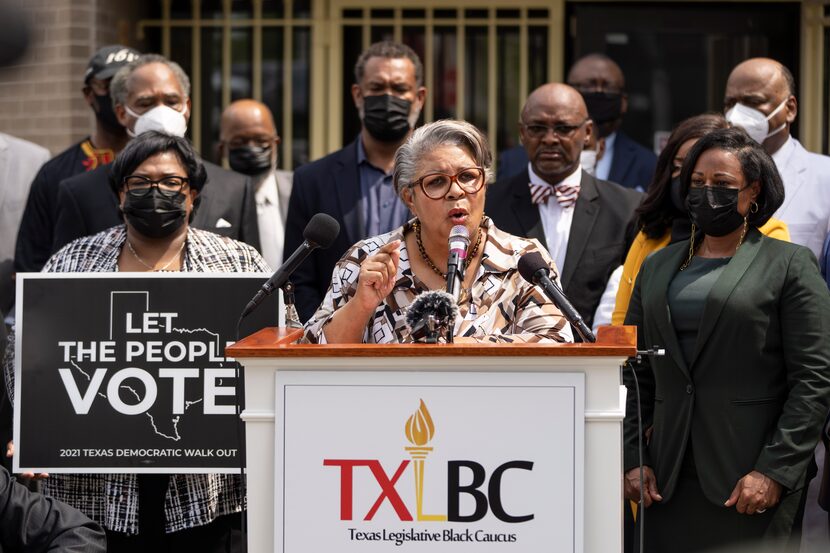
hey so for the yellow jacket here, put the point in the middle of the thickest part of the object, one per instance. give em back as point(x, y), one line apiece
point(643, 246)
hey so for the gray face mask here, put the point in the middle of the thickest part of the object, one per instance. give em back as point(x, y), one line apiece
point(250, 160)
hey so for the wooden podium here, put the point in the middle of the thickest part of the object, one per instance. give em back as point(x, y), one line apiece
point(270, 350)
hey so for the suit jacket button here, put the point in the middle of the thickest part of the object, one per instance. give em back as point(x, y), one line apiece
point(689, 389)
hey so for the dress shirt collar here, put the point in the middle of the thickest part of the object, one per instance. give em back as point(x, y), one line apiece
point(362, 159)
point(267, 193)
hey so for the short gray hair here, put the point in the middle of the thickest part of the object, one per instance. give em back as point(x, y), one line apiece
point(118, 85)
point(446, 132)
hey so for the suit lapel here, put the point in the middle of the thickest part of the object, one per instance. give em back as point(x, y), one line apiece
point(658, 290)
point(793, 174)
point(722, 289)
point(524, 210)
point(585, 215)
point(346, 177)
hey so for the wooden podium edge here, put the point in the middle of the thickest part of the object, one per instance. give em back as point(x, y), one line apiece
point(612, 341)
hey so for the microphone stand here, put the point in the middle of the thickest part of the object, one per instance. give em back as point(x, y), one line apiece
point(455, 278)
point(292, 318)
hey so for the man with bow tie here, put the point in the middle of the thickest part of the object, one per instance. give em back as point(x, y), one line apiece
point(585, 222)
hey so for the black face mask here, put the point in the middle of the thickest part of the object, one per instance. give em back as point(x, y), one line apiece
point(250, 160)
point(603, 107)
point(155, 215)
point(674, 193)
point(714, 209)
point(386, 117)
point(106, 115)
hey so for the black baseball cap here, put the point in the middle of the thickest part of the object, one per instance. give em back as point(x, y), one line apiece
point(108, 60)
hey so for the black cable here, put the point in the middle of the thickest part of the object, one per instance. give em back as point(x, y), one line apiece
point(641, 511)
point(243, 461)
point(655, 351)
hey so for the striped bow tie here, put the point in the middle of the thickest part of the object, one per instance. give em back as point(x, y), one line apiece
point(565, 194)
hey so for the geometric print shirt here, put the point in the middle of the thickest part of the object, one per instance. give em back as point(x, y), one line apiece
point(112, 499)
point(500, 307)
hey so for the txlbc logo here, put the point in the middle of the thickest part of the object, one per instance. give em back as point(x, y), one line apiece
point(420, 431)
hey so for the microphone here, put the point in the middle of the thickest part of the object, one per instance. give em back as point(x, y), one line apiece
point(429, 314)
point(534, 269)
point(459, 241)
point(320, 232)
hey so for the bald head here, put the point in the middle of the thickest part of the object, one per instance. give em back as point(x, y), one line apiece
point(554, 128)
point(244, 117)
point(763, 70)
point(596, 73)
point(555, 97)
point(768, 87)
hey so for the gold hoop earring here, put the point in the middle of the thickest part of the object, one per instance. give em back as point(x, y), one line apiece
point(691, 249)
point(753, 207)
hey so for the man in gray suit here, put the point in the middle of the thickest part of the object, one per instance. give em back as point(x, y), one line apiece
point(19, 163)
point(250, 141)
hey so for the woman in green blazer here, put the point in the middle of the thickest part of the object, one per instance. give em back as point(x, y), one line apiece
point(733, 411)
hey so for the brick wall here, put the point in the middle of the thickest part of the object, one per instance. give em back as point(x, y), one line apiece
point(40, 98)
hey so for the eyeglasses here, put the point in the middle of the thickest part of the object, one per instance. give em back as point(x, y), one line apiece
point(141, 186)
point(436, 186)
point(561, 130)
point(259, 142)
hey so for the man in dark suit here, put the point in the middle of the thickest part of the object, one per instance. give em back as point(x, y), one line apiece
point(153, 93)
point(602, 85)
point(354, 185)
point(583, 221)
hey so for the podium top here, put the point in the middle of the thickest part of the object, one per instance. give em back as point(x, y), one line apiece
point(612, 341)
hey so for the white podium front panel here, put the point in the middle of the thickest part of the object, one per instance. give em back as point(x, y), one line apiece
point(425, 461)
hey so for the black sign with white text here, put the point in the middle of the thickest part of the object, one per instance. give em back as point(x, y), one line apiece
point(127, 373)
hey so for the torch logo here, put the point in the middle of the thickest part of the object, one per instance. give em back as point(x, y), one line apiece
point(419, 432)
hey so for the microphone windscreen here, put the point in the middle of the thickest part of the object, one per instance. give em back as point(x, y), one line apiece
point(435, 302)
point(460, 232)
point(321, 230)
point(531, 262)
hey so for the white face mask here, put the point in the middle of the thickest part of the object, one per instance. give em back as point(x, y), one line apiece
point(755, 123)
point(161, 118)
point(588, 159)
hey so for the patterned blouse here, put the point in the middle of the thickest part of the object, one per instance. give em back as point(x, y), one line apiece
point(112, 499)
point(501, 306)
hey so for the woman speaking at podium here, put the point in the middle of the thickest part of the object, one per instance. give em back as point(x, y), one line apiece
point(441, 174)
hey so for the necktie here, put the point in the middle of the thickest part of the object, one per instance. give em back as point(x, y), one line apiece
point(565, 194)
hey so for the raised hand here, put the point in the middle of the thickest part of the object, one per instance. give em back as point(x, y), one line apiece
point(377, 275)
